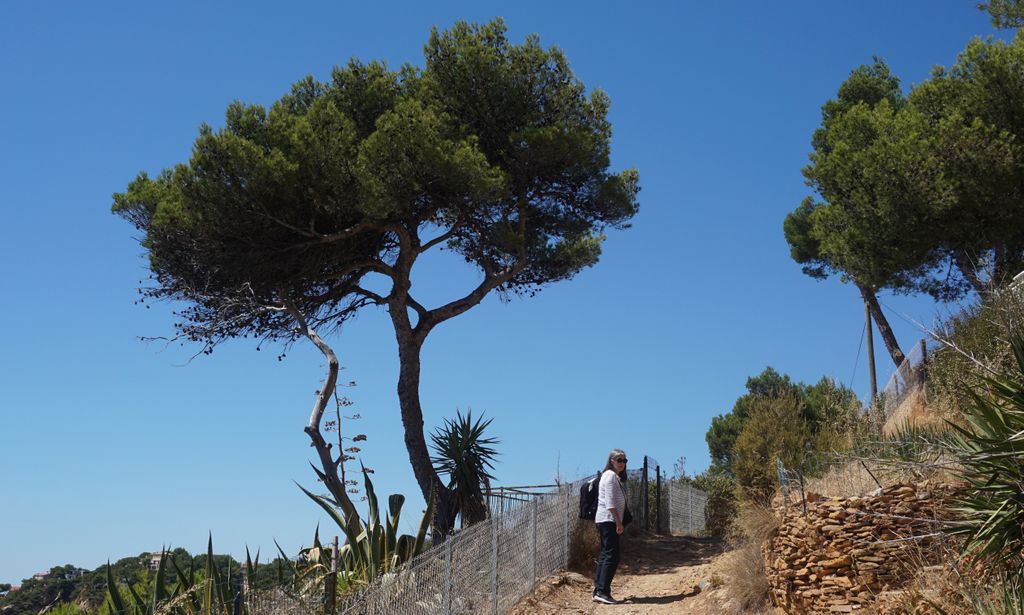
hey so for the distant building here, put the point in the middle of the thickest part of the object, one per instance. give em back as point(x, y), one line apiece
point(39, 576)
point(74, 573)
point(154, 559)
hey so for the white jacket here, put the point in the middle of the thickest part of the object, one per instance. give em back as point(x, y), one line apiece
point(610, 494)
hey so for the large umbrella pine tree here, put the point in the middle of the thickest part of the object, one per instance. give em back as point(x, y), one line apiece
point(879, 190)
point(493, 150)
point(974, 114)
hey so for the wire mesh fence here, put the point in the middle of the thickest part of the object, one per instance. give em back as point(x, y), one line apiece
point(685, 508)
point(870, 466)
point(278, 602)
point(907, 378)
point(488, 567)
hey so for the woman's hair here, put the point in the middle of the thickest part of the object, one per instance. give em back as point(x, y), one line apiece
point(616, 453)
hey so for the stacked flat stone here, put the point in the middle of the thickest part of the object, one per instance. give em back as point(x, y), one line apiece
point(846, 551)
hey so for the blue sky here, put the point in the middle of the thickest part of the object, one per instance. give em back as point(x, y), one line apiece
point(110, 447)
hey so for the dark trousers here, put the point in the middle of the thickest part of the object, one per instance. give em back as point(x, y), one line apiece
point(608, 560)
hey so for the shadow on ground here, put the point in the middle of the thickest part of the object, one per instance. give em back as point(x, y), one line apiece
point(659, 575)
point(649, 554)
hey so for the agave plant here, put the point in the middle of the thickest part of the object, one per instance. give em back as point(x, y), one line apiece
point(463, 454)
point(373, 548)
point(991, 451)
point(210, 595)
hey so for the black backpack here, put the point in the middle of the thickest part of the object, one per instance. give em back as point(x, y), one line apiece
point(588, 498)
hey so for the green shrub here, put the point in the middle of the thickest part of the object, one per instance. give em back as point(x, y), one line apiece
point(774, 430)
point(720, 509)
point(976, 343)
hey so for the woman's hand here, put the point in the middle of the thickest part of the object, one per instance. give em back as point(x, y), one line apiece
point(618, 527)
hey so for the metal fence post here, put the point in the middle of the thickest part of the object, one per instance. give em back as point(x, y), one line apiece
point(657, 498)
point(669, 487)
point(565, 521)
point(446, 592)
point(533, 548)
point(643, 493)
point(331, 582)
point(494, 564)
point(689, 509)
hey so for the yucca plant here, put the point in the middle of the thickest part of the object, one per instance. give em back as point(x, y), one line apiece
point(465, 456)
point(373, 548)
point(991, 451)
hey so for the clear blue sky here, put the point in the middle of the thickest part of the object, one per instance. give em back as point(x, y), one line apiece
point(109, 447)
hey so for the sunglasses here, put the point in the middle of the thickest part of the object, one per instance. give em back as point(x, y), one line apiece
point(622, 460)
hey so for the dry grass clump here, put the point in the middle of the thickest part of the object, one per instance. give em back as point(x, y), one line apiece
point(756, 524)
point(857, 477)
point(908, 453)
point(584, 547)
point(918, 412)
point(953, 588)
point(745, 586)
point(745, 582)
point(844, 480)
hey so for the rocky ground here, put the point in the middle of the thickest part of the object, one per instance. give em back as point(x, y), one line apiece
point(658, 575)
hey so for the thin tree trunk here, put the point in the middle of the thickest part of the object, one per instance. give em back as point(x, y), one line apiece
point(415, 442)
point(883, 325)
point(329, 472)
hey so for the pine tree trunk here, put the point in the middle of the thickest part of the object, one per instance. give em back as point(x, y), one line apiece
point(965, 264)
point(445, 510)
point(883, 325)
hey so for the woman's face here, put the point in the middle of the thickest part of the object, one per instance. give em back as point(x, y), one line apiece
point(620, 463)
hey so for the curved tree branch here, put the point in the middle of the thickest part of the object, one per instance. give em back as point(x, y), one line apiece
point(443, 237)
point(330, 474)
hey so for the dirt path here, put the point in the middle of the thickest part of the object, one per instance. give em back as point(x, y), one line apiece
point(658, 575)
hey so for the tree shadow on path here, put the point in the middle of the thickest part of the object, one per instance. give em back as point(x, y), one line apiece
point(650, 554)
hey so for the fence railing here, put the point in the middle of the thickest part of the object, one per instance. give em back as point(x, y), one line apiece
point(489, 567)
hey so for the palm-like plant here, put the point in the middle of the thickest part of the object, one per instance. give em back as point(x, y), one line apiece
point(991, 451)
point(465, 456)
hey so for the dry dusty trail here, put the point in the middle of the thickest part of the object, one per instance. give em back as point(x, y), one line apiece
point(658, 575)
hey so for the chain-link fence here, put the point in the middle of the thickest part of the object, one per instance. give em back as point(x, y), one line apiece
point(276, 601)
point(908, 377)
point(483, 569)
point(487, 568)
point(685, 508)
point(870, 466)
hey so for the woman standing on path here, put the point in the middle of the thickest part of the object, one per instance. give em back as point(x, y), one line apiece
point(611, 507)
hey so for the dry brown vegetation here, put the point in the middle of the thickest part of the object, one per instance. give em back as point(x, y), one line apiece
point(745, 585)
point(584, 546)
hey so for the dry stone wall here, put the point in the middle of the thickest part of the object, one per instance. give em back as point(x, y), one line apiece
point(843, 552)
